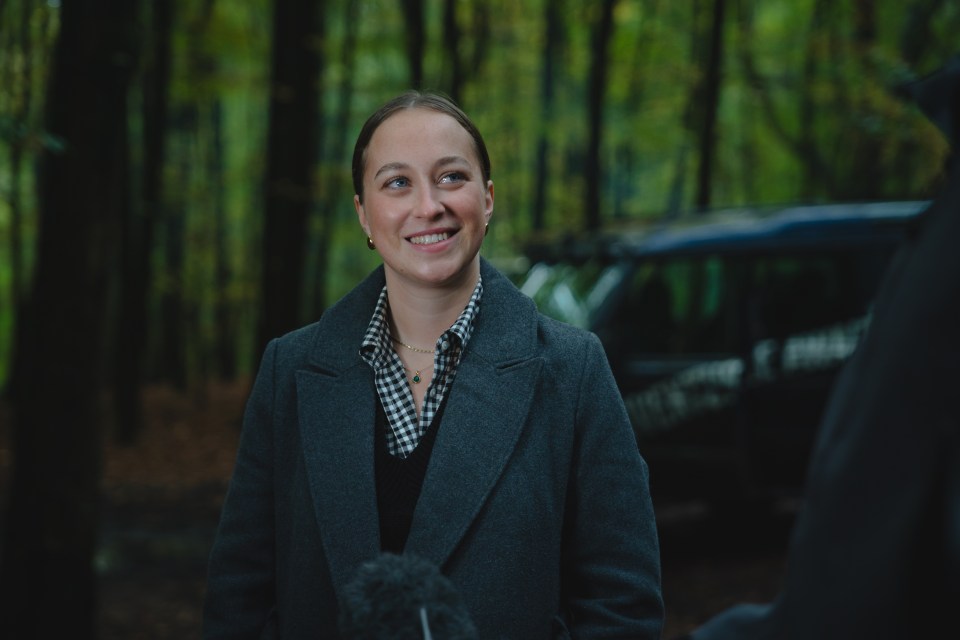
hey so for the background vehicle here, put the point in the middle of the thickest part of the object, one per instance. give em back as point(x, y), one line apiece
point(725, 332)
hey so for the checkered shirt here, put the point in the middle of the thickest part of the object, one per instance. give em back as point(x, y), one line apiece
point(391, 380)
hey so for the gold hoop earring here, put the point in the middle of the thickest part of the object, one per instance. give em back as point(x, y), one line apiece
point(370, 244)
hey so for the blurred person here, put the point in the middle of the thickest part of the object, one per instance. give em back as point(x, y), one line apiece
point(875, 551)
point(433, 411)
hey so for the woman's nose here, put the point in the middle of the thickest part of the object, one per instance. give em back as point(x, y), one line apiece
point(429, 203)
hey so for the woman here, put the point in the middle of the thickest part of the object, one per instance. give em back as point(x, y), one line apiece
point(433, 412)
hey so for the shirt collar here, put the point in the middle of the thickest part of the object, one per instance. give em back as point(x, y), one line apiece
point(376, 341)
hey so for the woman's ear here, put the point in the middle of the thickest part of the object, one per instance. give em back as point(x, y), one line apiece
point(489, 200)
point(361, 214)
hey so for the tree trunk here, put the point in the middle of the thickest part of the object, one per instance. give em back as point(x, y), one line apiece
point(452, 59)
point(337, 192)
point(225, 341)
point(552, 41)
point(292, 153)
point(917, 32)
point(413, 17)
point(865, 180)
point(47, 581)
point(710, 97)
point(593, 175)
point(139, 229)
point(178, 316)
point(170, 354)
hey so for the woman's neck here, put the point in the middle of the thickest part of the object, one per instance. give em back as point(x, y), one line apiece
point(419, 315)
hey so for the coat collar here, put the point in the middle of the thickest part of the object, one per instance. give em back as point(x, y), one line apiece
point(511, 315)
point(481, 425)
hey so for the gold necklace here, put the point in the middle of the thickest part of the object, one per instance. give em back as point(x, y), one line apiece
point(417, 349)
point(416, 374)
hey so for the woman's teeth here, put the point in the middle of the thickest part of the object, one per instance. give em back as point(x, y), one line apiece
point(430, 239)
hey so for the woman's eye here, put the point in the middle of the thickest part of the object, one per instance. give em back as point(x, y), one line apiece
point(397, 183)
point(453, 176)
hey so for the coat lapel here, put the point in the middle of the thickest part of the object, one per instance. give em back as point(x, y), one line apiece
point(480, 429)
point(483, 420)
point(336, 423)
point(481, 425)
point(336, 405)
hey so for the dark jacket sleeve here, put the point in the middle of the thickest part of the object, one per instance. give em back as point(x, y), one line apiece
point(875, 552)
point(240, 596)
point(612, 551)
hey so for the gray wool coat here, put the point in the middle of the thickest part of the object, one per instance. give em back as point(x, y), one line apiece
point(535, 504)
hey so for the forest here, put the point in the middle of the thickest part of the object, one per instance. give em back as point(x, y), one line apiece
point(175, 182)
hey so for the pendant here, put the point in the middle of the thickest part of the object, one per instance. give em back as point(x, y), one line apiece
point(416, 377)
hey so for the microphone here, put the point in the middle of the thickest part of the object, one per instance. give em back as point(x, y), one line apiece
point(403, 597)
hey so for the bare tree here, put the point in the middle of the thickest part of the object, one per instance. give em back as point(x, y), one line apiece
point(47, 582)
point(225, 341)
point(709, 101)
point(336, 193)
point(602, 32)
point(452, 59)
point(137, 242)
point(413, 16)
point(176, 312)
point(292, 153)
point(552, 41)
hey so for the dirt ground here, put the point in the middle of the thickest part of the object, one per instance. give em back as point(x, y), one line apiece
point(162, 499)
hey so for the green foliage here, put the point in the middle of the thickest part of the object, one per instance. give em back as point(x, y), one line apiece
point(806, 113)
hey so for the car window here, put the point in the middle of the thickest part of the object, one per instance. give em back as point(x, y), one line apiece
point(677, 306)
point(566, 290)
point(794, 294)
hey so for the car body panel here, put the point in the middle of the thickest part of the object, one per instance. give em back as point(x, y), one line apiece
point(725, 332)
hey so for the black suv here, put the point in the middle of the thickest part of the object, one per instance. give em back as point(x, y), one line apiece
point(725, 332)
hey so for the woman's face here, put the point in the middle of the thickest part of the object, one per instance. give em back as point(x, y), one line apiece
point(425, 203)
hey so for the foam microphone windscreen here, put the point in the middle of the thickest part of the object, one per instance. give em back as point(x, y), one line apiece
point(403, 597)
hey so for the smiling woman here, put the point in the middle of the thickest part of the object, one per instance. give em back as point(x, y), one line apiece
point(434, 412)
point(425, 204)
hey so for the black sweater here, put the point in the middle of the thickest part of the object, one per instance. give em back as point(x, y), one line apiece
point(399, 481)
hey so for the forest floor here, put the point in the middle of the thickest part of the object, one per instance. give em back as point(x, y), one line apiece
point(162, 500)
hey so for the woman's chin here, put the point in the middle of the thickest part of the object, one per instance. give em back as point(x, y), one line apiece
point(444, 274)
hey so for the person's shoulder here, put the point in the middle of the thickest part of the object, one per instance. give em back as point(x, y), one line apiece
point(339, 326)
point(564, 336)
point(523, 309)
point(292, 349)
point(299, 337)
point(561, 328)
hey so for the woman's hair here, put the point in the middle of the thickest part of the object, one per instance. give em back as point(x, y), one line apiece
point(414, 100)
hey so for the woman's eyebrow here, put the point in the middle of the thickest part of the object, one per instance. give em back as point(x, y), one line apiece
point(448, 160)
point(390, 166)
